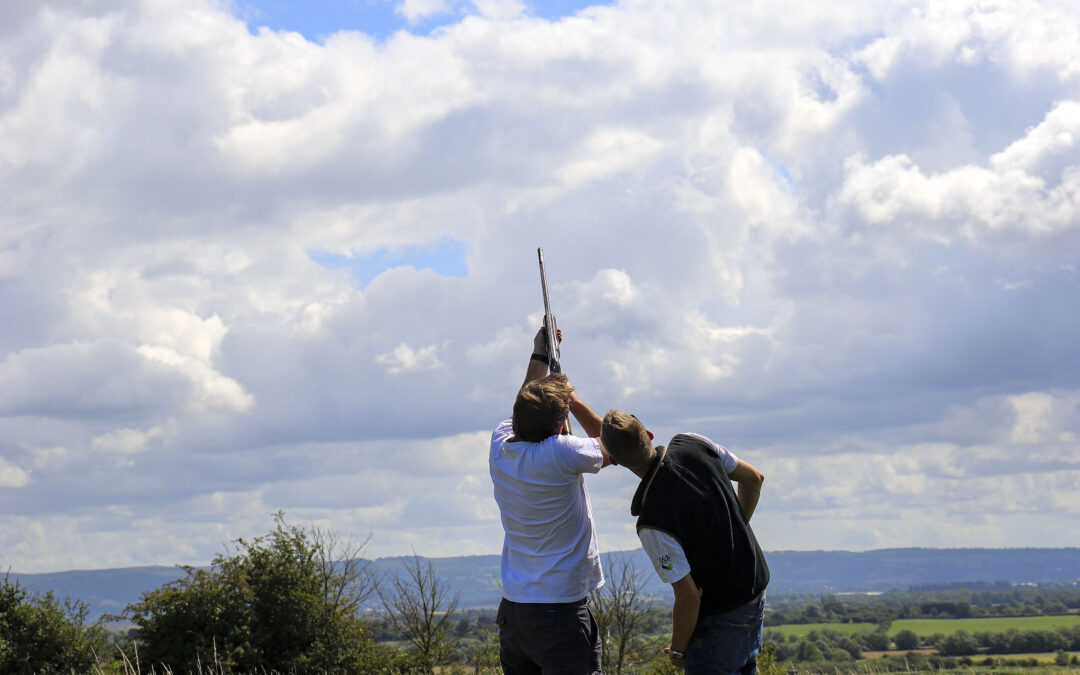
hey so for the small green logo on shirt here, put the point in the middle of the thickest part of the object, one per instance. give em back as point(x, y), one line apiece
point(665, 562)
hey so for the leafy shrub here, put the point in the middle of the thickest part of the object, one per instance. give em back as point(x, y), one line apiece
point(40, 634)
point(808, 651)
point(906, 640)
point(284, 602)
point(877, 641)
point(767, 661)
point(960, 643)
point(838, 654)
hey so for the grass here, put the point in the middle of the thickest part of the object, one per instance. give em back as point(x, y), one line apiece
point(926, 627)
point(804, 629)
point(1042, 657)
point(870, 668)
point(1046, 658)
point(986, 625)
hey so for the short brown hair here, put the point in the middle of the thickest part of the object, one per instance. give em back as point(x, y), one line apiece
point(625, 439)
point(541, 407)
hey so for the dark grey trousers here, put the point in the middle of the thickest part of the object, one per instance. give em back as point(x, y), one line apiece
point(548, 639)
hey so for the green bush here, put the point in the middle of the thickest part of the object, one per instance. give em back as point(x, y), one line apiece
point(284, 602)
point(960, 643)
point(42, 635)
point(906, 640)
point(808, 651)
point(877, 641)
point(837, 654)
point(767, 662)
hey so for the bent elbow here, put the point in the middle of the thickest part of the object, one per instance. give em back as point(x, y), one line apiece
point(752, 480)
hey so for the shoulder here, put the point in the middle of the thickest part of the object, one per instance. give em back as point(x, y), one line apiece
point(689, 437)
point(572, 443)
point(578, 453)
point(727, 457)
point(503, 430)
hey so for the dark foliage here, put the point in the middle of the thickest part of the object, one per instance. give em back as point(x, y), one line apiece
point(285, 602)
point(41, 634)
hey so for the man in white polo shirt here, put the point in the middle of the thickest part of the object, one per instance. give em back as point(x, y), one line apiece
point(550, 559)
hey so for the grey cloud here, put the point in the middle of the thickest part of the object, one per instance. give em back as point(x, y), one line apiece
point(775, 234)
point(934, 113)
point(84, 379)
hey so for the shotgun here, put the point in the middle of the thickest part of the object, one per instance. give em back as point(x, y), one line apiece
point(551, 327)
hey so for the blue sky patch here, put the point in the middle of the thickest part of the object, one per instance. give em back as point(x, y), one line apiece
point(445, 257)
point(779, 167)
point(317, 19)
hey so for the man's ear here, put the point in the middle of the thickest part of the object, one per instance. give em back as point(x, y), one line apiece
point(608, 459)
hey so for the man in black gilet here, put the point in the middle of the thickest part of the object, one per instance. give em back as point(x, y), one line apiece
point(696, 530)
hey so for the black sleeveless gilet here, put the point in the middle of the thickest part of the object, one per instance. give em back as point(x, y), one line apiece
point(688, 495)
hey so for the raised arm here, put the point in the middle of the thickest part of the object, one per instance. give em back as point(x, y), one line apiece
point(749, 481)
point(590, 422)
point(538, 364)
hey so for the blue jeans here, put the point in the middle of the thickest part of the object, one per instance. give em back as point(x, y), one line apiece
point(728, 643)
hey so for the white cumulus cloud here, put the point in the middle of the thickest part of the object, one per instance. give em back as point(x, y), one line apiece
point(839, 238)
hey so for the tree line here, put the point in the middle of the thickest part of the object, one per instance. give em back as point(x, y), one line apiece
point(924, 604)
point(836, 646)
point(286, 602)
point(293, 601)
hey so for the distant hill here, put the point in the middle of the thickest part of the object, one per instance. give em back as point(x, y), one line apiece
point(476, 578)
point(901, 568)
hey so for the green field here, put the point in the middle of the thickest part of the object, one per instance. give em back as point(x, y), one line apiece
point(986, 625)
point(944, 626)
point(803, 629)
point(1046, 658)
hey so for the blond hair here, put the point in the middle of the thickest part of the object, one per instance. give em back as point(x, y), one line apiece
point(541, 407)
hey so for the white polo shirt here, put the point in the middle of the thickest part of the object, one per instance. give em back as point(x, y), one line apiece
point(549, 549)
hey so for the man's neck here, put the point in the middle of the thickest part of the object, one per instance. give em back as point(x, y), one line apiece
point(643, 471)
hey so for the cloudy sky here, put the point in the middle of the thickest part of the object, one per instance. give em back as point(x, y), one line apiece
point(257, 257)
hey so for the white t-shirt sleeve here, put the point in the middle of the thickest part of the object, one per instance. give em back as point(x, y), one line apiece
point(504, 431)
point(587, 456)
point(576, 455)
point(727, 457)
point(666, 554)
